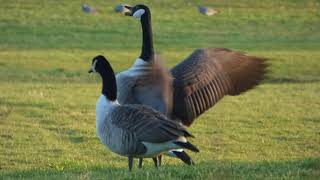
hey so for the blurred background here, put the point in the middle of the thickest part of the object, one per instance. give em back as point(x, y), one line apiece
point(47, 98)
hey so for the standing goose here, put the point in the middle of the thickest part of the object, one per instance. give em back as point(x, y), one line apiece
point(148, 82)
point(200, 81)
point(134, 131)
point(205, 77)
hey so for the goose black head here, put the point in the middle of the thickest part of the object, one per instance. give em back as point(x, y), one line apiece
point(142, 12)
point(138, 11)
point(98, 64)
point(109, 86)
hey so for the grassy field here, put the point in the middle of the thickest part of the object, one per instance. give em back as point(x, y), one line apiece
point(47, 98)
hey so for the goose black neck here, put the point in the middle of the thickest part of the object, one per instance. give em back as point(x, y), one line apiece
point(147, 51)
point(109, 85)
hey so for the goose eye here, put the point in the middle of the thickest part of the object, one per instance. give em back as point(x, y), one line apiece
point(138, 13)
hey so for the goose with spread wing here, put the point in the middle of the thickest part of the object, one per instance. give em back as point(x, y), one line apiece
point(204, 77)
point(194, 85)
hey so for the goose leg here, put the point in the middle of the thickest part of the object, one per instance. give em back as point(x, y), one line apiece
point(156, 161)
point(130, 162)
point(140, 162)
point(159, 160)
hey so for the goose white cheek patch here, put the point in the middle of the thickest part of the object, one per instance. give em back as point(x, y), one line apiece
point(93, 67)
point(138, 13)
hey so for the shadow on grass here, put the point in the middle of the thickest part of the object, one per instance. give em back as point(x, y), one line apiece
point(302, 168)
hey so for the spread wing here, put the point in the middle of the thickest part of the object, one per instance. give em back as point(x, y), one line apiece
point(146, 124)
point(207, 75)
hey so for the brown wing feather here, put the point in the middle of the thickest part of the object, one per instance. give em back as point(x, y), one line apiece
point(207, 75)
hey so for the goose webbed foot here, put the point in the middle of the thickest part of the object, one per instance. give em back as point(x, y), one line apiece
point(130, 162)
point(140, 163)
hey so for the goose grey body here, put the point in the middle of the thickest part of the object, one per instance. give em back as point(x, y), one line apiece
point(147, 83)
point(136, 130)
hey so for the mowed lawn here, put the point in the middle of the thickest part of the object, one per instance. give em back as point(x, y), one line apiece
point(47, 98)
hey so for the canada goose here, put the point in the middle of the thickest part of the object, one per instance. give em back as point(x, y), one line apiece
point(206, 76)
point(200, 81)
point(148, 82)
point(147, 77)
point(134, 131)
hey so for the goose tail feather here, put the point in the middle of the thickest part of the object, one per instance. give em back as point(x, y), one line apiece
point(187, 145)
point(183, 156)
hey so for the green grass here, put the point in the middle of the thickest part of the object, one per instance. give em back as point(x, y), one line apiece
point(47, 98)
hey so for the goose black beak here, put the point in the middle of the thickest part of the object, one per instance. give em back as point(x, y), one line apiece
point(129, 13)
point(90, 71)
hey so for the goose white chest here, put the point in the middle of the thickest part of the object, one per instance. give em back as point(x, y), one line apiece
point(103, 108)
point(108, 133)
